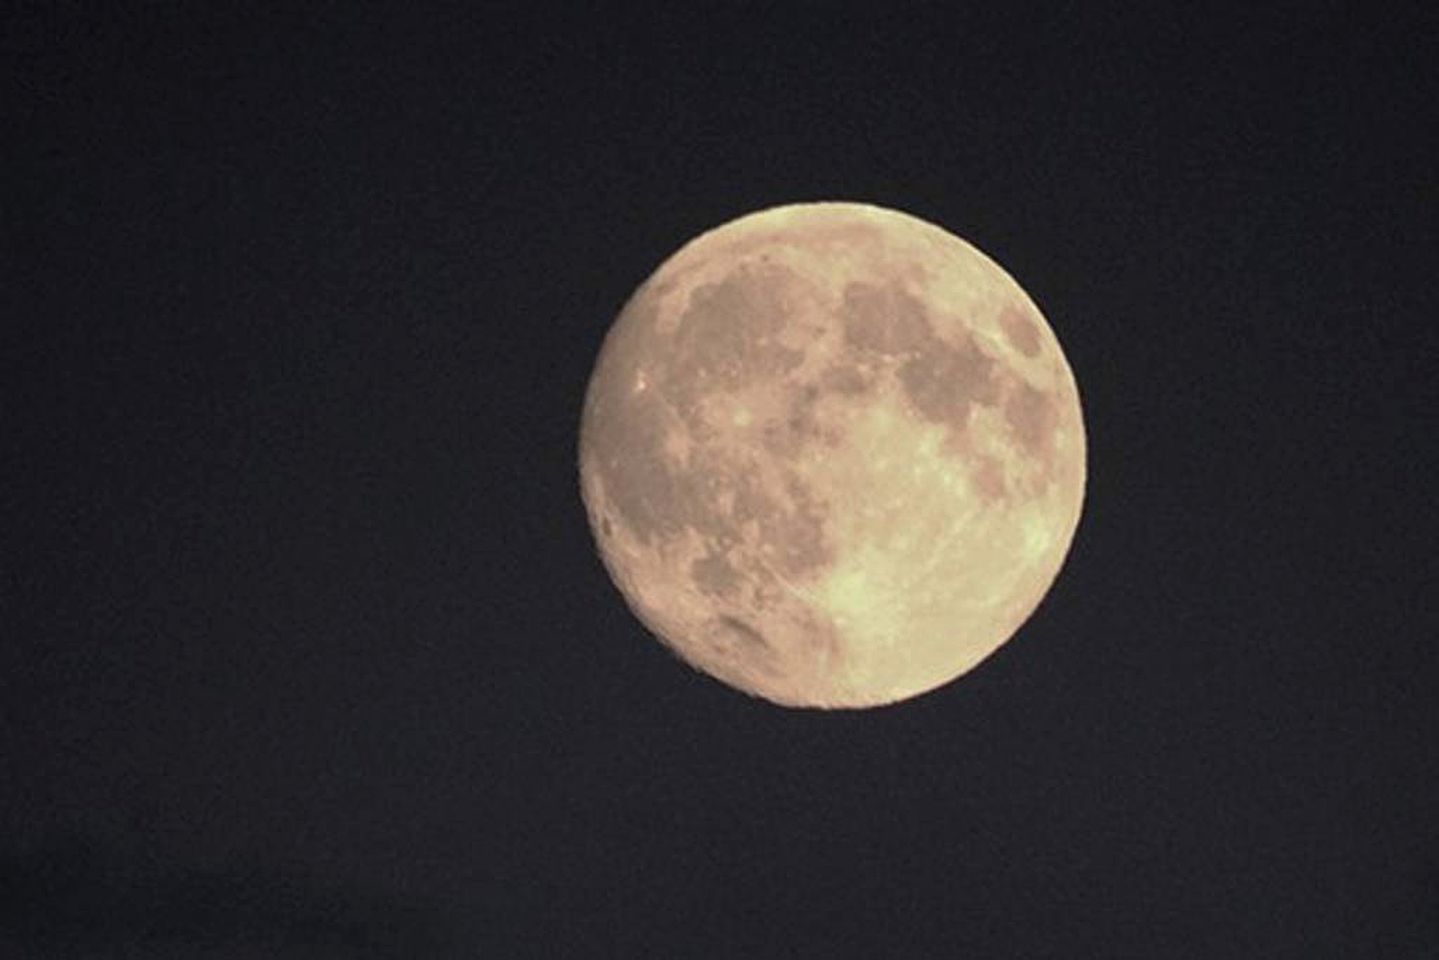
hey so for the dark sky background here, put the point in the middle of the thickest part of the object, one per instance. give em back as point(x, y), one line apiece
point(305, 649)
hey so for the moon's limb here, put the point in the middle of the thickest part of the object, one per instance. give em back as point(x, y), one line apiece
point(833, 455)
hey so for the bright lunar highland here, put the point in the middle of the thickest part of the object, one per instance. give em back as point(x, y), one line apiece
point(832, 455)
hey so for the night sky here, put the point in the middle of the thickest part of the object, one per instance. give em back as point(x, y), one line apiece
point(305, 647)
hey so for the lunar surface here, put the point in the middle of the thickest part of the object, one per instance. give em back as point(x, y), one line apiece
point(832, 455)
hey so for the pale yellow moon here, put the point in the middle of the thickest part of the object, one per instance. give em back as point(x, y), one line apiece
point(832, 455)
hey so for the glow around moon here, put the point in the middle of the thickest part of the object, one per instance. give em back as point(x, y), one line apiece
point(832, 455)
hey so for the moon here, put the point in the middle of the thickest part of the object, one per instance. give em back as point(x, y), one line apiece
point(832, 455)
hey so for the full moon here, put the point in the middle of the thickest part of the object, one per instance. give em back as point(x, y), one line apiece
point(832, 455)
